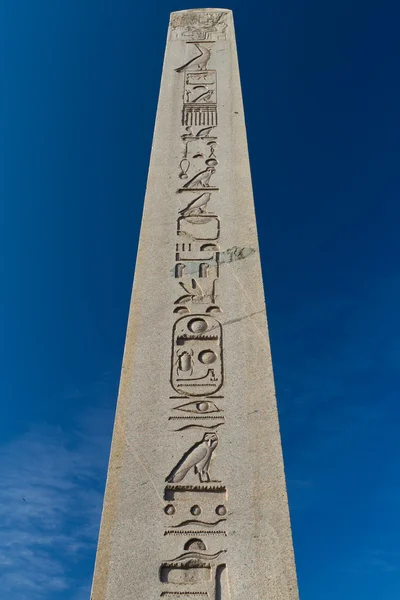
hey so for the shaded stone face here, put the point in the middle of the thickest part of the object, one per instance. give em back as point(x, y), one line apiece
point(196, 25)
point(195, 505)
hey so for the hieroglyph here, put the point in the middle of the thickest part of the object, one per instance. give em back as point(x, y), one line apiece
point(196, 510)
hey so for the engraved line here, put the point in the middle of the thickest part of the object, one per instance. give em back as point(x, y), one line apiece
point(196, 532)
point(197, 522)
point(200, 555)
point(145, 468)
point(196, 417)
point(262, 334)
point(195, 488)
point(201, 189)
point(199, 427)
point(195, 384)
point(165, 594)
point(242, 318)
point(184, 565)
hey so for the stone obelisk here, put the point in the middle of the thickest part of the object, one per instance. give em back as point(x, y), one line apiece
point(195, 505)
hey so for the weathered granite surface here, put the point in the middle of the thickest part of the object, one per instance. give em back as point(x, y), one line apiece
point(195, 505)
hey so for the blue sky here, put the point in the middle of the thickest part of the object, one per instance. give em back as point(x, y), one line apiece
point(322, 94)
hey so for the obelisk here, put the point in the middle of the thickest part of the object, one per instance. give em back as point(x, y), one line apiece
point(195, 505)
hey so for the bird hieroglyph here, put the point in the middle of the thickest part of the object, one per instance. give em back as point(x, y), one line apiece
point(200, 61)
point(197, 458)
point(197, 206)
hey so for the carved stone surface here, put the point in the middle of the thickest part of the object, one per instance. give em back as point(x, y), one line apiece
point(195, 504)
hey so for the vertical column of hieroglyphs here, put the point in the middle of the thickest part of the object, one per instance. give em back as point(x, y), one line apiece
point(195, 503)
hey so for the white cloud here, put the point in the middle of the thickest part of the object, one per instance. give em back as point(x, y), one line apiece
point(51, 490)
